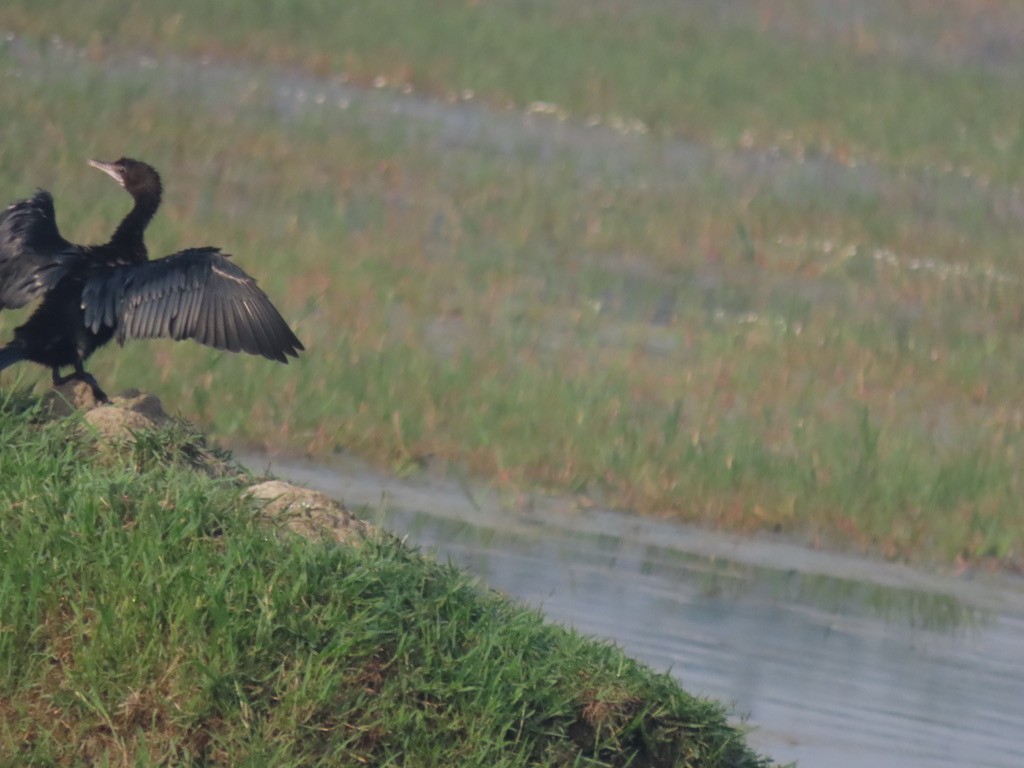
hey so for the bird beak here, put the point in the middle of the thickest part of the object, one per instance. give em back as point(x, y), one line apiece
point(108, 168)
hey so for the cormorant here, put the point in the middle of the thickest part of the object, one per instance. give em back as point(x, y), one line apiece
point(93, 293)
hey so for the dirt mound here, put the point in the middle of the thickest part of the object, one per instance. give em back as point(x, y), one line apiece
point(310, 514)
point(125, 414)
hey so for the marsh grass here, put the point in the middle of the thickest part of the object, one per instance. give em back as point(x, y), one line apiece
point(815, 334)
point(149, 618)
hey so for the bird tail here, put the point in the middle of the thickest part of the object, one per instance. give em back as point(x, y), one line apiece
point(11, 354)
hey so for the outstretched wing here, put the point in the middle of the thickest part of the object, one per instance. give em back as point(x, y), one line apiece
point(33, 255)
point(194, 294)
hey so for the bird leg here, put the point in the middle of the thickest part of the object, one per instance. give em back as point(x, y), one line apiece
point(81, 375)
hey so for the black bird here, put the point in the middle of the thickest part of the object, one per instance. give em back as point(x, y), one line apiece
point(93, 293)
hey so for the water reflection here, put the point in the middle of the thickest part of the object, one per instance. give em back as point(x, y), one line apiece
point(834, 672)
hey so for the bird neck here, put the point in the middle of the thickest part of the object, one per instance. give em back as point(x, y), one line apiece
point(128, 237)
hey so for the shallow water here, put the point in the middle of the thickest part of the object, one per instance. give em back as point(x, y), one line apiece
point(834, 660)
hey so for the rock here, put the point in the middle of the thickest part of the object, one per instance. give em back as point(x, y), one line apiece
point(132, 411)
point(311, 514)
point(143, 403)
point(126, 413)
point(60, 402)
point(115, 424)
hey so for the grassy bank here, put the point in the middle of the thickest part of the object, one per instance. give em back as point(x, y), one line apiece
point(149, 619)
point(802, 316)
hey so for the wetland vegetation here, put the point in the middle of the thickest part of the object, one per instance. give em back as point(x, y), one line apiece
point(756, 268)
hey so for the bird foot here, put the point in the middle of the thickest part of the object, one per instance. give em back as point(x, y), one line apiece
point(86, 378)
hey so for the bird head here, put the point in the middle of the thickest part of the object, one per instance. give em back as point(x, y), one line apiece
point(134, 175)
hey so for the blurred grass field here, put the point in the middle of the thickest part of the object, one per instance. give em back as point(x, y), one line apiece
point(750, 266)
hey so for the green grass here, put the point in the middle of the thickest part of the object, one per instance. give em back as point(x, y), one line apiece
point(149, 619)
point(803, 318)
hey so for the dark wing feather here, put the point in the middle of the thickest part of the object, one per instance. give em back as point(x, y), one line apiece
point(195, 294)
point(33, 255)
